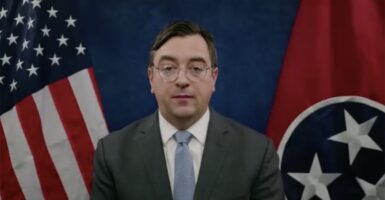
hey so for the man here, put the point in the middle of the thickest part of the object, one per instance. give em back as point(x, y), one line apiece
point(185, 150)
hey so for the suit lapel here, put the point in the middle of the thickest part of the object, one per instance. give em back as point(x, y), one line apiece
point(213, 157)
point(151, 148)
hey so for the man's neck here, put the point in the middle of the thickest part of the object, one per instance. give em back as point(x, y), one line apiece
point(182, 123)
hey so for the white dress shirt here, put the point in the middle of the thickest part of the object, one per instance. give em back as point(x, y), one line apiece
point(196, 144)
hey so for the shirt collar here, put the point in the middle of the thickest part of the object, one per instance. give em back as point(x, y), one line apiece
point(198, 129)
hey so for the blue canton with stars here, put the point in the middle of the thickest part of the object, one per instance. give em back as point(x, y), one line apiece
point(336, 152)
point(39, 44)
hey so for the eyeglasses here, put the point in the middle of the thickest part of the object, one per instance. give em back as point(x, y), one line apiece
point(170, 72)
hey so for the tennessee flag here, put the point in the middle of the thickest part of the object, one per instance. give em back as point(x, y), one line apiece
point(328, 115)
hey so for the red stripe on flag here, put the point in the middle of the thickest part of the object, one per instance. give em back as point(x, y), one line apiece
point(31, 124)
point(75, 127)
point(9, 186)
point(95, 85)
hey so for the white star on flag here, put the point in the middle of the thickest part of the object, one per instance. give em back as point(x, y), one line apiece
point(80, 49)
point(52, 12)
point(62, 41)
point(36, 3)
point(19, 65)
point(13, 85)
point(1, 80)
point(25, 44)
point(25, 1)
point(5, 59)
point(55, 60)
point(45, 31)
point(373, 192)
point(39, 50)
point(356, 136)
point(3, 13)
point(315, 182)
point(30, 23)
point(12, 39)
point(19, 19)
point(32, 70)
point(70, 21)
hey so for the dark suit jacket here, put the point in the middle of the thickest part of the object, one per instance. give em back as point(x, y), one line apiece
point(237, 163)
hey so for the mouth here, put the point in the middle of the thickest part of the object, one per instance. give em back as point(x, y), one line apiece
point(182, 96)
point(183, 99)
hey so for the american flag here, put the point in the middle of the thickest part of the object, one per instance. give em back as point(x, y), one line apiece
point(50, 114)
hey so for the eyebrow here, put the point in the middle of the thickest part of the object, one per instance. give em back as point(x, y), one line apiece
point(170, 58)
point(167, 58)
point(197, 59)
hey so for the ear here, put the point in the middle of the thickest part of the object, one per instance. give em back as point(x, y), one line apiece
point(214, 76)
point(150, 74)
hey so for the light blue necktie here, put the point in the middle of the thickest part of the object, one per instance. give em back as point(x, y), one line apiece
point(184, 179)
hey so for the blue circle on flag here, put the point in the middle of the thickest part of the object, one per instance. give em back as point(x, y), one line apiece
point(335, 150)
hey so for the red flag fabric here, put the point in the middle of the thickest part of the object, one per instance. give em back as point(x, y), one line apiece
point(50, 114)
point(328, 112)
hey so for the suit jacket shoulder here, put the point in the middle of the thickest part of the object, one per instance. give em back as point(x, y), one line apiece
point(242, 130)
point(237, 163)
point(130, 164)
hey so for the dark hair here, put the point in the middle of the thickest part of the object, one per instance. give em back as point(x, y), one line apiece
point(181, 29)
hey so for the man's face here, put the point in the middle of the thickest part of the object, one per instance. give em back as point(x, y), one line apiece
point(183, 98)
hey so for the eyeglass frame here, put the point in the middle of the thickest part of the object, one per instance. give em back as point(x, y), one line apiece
point(186, 73)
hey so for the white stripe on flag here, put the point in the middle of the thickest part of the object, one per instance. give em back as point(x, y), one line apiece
point(59, 147)
point(21, 156)
point(85, 95)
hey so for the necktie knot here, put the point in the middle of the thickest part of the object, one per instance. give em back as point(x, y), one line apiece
point(182, 137)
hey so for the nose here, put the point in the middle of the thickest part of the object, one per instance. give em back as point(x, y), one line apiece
point(181, 80)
